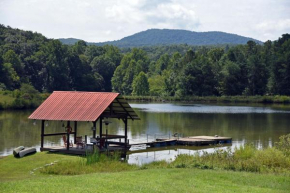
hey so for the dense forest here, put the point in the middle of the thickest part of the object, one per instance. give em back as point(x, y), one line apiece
point(28, 58)
point(157, 37)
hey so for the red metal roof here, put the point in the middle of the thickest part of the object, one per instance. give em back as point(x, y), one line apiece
point(75, 106)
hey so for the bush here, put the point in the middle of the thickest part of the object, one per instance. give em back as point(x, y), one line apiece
point(284, 144)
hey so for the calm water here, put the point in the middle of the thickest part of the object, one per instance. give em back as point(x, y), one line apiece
point(258, 124)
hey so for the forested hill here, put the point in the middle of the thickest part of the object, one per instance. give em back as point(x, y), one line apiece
point(154, 37)
point(30, 60)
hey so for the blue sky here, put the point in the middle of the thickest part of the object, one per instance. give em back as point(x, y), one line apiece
point(106, 20)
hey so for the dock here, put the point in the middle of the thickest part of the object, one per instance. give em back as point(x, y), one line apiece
point(191, 141)
point(188, 141)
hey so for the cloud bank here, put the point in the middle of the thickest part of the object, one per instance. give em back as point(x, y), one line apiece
point(97, 20)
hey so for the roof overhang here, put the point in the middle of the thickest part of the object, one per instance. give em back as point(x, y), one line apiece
point(83, 106)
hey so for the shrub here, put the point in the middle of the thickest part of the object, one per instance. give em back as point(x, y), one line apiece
point(245, 152)
point(284, 144)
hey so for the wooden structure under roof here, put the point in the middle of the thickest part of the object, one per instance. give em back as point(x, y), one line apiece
point(74, 106)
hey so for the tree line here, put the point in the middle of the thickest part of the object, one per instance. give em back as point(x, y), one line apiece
point(47, 65)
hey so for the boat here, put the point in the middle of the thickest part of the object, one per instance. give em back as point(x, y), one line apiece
point(27, 151)
point(22, 151)
point(17, 150)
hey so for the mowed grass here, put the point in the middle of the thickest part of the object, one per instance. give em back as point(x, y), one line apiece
point(154, 180)
point(12, 168)
point(16, 176)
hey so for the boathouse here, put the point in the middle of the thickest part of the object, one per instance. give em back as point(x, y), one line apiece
point(74, 106)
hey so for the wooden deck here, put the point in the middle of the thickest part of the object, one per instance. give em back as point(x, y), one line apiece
point(190, 141)
point(117, 146)
point(82, 151)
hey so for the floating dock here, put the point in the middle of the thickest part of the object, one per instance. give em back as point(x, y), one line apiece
point(188, 141)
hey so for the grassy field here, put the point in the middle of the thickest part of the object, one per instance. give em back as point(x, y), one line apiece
point(26, 175)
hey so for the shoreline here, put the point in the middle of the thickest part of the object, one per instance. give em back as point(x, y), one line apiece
point(215, 99)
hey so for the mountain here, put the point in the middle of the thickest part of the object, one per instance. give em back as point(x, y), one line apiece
point(154, 37)
point(69, 41)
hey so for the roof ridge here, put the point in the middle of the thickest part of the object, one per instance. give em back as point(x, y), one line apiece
point(85, 92)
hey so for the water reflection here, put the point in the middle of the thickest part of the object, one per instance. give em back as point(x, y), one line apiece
point(259, 124)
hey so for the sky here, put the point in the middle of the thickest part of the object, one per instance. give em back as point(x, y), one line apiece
point(108, 20)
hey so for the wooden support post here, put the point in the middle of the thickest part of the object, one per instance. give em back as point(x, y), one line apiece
point(95, 128)
point(101, 127)
point(106, 144)
point(126, 125)
point(42, 134)
point(76, 130)
point(67, 135)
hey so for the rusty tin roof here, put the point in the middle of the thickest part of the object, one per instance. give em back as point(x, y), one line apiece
point(83, 106)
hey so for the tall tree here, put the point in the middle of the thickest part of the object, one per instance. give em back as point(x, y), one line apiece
point(11, 57)
point(140, 85)
point(105, 67)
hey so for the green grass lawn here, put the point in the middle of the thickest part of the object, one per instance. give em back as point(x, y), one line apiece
point(18, 175)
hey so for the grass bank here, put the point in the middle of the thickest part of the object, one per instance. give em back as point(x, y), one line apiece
point(19, 175)
point(216, 99)
point(246, 170)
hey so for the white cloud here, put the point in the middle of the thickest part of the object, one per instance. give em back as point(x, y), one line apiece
point(280, 25)
point(269, 29)
point(173, 15)
point(98, 20)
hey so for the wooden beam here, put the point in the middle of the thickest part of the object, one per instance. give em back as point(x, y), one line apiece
point(124, 108)
point(126, 129)
point(67, 135)
point(121, 116)
point(101, 127)
point(42, 133)
point(53, 134)
point(76, 130)
point(95, 128)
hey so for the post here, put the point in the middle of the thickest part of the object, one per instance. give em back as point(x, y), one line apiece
point(67, 135)
point(106, 144)
point(101, 127)
point(95, 128)
point(42, 134)
point(76, 130)
point(126, 136)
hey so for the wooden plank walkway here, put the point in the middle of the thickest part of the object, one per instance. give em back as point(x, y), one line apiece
point(191, 141)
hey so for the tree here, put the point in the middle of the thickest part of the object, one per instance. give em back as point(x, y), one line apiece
point(12, 58)
point(140, 85)
point(281, 68)
point(162, 63)
point(230, 81)
point(57, 66)
point(105, 67)
point(80, 47)
point(257, 76)
point(93, 51)
point(9, 77)
point(131, 65)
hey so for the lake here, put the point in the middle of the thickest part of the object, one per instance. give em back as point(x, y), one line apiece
point(259, 124)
